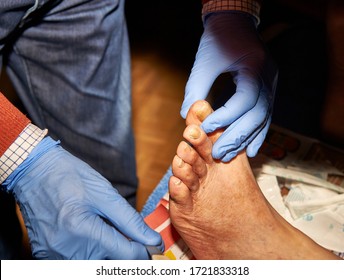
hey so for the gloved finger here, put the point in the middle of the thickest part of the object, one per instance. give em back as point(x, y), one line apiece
point(120, 247)
point(126, 219)
point(233, 153)
point(244, 99)
point(258, 135)
point(240, 132)
point(104, 241)
point(253, 148)
point(199, 83)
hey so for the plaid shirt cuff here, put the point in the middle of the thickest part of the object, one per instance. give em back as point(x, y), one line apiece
point(249, 6)
point(20, 150)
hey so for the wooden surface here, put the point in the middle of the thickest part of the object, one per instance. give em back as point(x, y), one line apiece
point(163, 39)
point(158, 90)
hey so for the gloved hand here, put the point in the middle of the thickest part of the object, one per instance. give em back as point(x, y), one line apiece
point(72, 212)
point(230, 43)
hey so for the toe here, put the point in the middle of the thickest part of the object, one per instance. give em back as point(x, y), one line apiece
point(190, 156)
point(184, 172)
point(179, 193)
point(200, 142)
point(198, 112)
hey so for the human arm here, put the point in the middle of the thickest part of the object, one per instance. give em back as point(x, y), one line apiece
point(69, 209)
point(231, 43)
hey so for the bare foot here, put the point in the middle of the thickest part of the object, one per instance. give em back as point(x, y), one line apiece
point(219, 210)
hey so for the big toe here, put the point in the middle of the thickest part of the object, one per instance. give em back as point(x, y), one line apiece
point(198, 112)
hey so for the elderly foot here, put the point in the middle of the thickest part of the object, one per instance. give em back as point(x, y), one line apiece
point(218, 208)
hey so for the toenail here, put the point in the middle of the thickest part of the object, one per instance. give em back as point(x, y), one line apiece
point(177, 182)
point(187, 146)
point(201, 113)
point(194, 133)
point(180, 163)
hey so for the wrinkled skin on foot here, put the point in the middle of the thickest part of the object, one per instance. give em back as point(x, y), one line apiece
point(218, 208)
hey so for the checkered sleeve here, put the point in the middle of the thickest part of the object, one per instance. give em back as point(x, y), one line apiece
point(20, 149)
point(249, 6)
point(18, 137)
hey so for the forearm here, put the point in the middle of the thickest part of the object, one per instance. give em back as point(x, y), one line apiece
point(18, 137)
point(12, 123)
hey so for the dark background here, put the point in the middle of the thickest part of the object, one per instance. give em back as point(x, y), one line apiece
point(295, 37)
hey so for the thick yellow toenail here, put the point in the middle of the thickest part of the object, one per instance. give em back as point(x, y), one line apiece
point(203, 111)
point(200, 115)
point(194, 133)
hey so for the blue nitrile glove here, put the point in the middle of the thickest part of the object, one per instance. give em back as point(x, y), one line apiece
point(72, 212)
point(230, 43)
